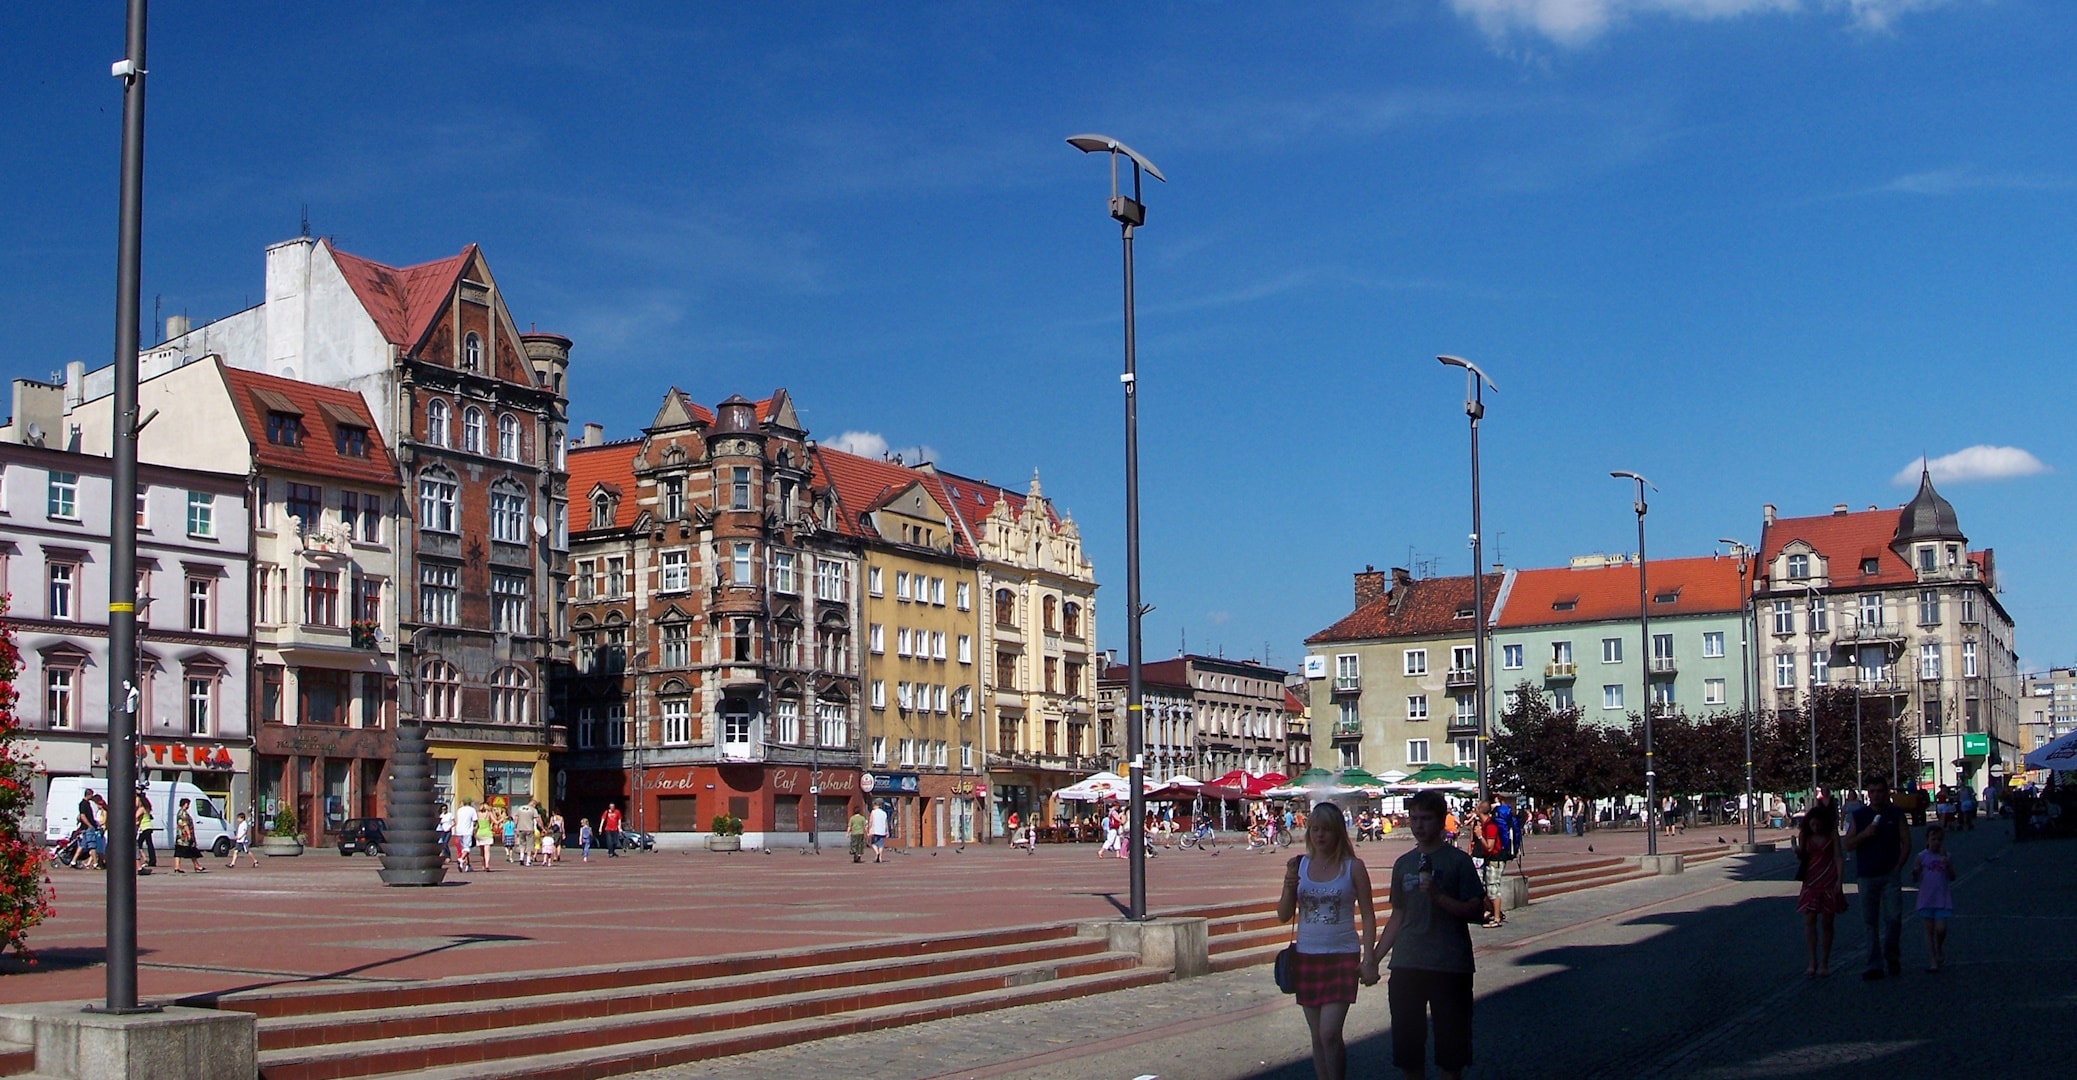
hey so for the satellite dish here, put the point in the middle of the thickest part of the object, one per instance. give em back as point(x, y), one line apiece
point(540, 526)
point(35, 433)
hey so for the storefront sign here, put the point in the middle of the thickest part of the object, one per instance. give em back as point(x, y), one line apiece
point(890, 783)
point(974, 789)
point(820, 781)
point(160, 755)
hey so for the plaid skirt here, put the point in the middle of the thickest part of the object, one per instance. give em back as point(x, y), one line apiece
point(1328, 978)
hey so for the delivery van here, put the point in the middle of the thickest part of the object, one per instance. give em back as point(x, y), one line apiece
point(212, 832)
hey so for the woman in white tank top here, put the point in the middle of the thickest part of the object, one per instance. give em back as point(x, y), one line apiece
point(1326, 889)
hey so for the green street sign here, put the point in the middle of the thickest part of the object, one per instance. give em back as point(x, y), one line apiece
point(1977, 745)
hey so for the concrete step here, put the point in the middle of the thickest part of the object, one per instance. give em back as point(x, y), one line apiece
point(496, 1016)
point(626, 1057)
point(1582, 884)
point(712, 1030)
point(1248, 957)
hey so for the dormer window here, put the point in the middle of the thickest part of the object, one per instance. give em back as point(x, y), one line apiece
point(1871, 566)
point(1670, 596)
point(284, 429)
point(602, 512)
point(472, 352)
point(1565, 603)
point(350, 441)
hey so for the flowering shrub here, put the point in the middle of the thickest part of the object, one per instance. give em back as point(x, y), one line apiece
point(25, 886)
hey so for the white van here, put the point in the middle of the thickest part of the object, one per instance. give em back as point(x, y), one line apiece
point(212, 832)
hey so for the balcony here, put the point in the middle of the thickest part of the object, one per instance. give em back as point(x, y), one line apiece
point(1663, 665)
point(1560, 669)
point(1871, 633)
point(1463, 725)
point(1461, 679)
point(1345, 729)
point(1348, 684)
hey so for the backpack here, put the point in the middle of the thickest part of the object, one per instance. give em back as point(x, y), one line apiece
point(1505, 825)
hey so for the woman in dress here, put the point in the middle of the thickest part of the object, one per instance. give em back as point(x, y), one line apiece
point(184, 839)
point(1824, 895)
point(1325, 889)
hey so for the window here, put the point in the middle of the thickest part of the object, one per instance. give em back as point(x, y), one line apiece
point(602, 511)
point(61, 695)
point(904, 698)
point(788, 640)
point(368, 600)
point(739, 562)
point(964, 596)
point(436, 422)
point(1785, 671)
point(1561, 652)
point(788, 716)
point(1005, 670)
point(1070, 618)
point(616, 725)
point(1968, 607)
point(63, 500)
point(437, 492)
point(879, 694)
point(1416, 707)
point(1799, 567)
point(879, 750)
point(1051, 613)
point(675, 574)
point(1467, 710)
point(615, 583)
point(901, 641)
point(831, 582)
point(1784, 612)
point(901, 585)
point(1467, 752)
point(1612, 696)
point(1713, 643)
point(1005, 608)
point(1511, 657)
point(1561, 697)
point(1415, 661)
point(350, 440)
point(1871, 609)
point(1712, 691)
point(587, 728)
point(201, 514)
point(306, 504)
point(442, 686)
point(586, 579)
point(320, 598)
point(966, 756)
point(284, 429)
point(677, 645)
point(966, 649)
point(1871, 566)
point(1347, 671)
point(62, 578)
point(439, 594)
point(472, 352)
point(472, 429)
point(1351, 755)
point(832, 725)
point(908, 753)
point(1820, 615)
point(1461, 658)
point(371, 519)
point(1417, 751)
point(510, 696)
point(783, 573)
point(739, 490)
point(872, 582)
point(677, 721)
point(744, 642)
point(937, 645)
point(1052, 674)
point(1969, 659)
point(876, 639)
point(1928, 558)
point(1929, 661)
point(1928, 607)
point(349, 514)
point(508, 513)
point(510, 601)
point(1611, 650)
point(201, 606)
point(1662, 649)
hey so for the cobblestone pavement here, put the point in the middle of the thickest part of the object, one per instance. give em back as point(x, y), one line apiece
point(1698, 975)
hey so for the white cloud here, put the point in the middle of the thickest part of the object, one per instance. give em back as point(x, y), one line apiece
point(1973, 463)
point(872, 444)
point(1956, 180)
point(1574, 22)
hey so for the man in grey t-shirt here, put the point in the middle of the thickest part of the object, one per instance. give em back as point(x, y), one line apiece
point(526, 821)
point(1436, 896)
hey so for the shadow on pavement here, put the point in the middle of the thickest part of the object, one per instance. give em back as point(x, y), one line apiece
point(209, 1000)
point(58, 959)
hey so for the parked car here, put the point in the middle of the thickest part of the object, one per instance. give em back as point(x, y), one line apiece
point(636, 839)
point(361, 835)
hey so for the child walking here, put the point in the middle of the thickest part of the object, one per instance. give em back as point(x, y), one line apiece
point(241, 843)
point(584, 839)
point(1934, 872)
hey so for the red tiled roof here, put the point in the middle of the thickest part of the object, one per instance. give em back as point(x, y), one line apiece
point(324, 410)
point(1291, 703)
point(1425, 607)
point(403, 301)
point(1705, 585)
point(1844, 540)
point(863, 484)
point(971, 500)
point(611, 465)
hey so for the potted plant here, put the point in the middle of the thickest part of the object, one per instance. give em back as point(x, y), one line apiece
point(727, 833)
point(281, 838)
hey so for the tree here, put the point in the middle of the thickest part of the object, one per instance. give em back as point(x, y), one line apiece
point(1790, 731)
point(25, 888)
point(1547, 754)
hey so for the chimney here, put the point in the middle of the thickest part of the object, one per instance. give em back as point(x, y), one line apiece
point(1838, 509)
point(288, 293)
point(176, 326)
point(75, 383)
point(1370, 584)
point(594, 435)
point(1767, 513)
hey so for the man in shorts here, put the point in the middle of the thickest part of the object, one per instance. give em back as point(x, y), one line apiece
point(857, 833)
point(878, 833)
point(1436, 896)
point(464, 833)
point(526, 824)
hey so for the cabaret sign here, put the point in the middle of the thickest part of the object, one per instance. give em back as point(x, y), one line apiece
point(798, 781)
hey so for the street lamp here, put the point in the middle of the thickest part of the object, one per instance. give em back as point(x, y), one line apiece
point(1651, 776)
point(1130, 214)
point(1744, 555)
point(1475, 384)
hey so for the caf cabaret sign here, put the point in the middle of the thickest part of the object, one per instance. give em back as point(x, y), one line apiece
point(795, 781)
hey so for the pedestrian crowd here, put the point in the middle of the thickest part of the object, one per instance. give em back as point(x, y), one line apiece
point(528, 836)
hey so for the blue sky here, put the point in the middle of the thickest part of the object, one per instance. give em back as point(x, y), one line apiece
point(1759, 250)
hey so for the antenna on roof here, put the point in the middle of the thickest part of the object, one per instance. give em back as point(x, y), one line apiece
point(158, 328)
point(303, 228)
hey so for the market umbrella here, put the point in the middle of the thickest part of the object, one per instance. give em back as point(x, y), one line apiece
point(2060, 755)
point(1356, 777)
point(1442, 774)
point(1103, 785)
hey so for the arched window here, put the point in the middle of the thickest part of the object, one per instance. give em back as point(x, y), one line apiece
point(1071, 619)
point(1005, 608)
point(508, 437)
point(436, 422)
point(1052, 614)
point(508, 512)
point(440, 687)
point(472, 429)
point(601, 511)
point(437, 493)
point(510, 697)
point(472, 352)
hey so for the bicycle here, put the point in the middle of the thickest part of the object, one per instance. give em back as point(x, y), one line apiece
point(1201, 837)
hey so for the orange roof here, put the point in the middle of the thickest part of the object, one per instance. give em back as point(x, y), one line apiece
point(1420, 608)
point(862, 484)
point(611, 466)
point(323, 411)
point(403, 301)
point(1844, 540)
point(1699, 586)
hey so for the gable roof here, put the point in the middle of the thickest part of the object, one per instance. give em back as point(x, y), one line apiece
point(1844, 540)
point(611, 465)
point(1425, 607)
point(323, 411)
point(1706, 585)
point(864, 484)
point(403, 301)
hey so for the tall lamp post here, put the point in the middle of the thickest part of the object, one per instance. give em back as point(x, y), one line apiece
point(1130, 214)
point(1475, 385)
point(1744, 555)
point(1651, 776)
point(121, 853)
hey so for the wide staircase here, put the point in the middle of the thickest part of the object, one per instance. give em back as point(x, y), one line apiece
point(603, 1021)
